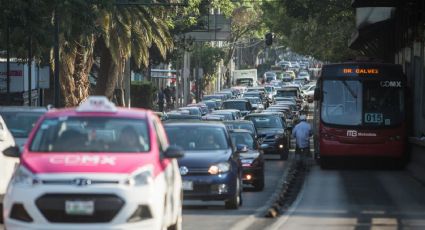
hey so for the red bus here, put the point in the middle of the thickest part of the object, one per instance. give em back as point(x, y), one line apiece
point(360, 112)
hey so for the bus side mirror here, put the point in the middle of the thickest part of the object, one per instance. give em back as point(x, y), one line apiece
point(317, 94)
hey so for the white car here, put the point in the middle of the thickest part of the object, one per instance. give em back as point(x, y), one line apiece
point(7, 164)
point(96, 167)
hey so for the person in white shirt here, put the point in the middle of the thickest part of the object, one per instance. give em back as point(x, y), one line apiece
point(302, 133)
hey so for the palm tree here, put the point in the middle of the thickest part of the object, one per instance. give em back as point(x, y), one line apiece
point(128, 32)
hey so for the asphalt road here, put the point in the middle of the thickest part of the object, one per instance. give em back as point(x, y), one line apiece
point(212, 215)
point(356, 199)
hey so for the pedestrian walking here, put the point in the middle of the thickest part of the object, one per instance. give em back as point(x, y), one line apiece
point(161, 100)
point(302, 133)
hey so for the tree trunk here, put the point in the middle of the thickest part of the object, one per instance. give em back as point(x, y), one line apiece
point(119, 86)
point(67, 61)
point(76, 62)
point(83, 65)
point(108, 72)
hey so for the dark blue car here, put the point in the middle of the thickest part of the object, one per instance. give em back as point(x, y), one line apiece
point(211, 169)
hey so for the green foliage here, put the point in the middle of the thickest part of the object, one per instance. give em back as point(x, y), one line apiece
point(208, 58)
point(318, 28)
point(142, 95)
point(35, 18)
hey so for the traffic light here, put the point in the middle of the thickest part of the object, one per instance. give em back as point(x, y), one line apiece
point(269, 39)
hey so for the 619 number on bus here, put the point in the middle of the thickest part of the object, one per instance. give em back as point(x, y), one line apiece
point(374, 118)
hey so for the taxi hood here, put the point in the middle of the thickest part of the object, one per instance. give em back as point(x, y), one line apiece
point(124, 163)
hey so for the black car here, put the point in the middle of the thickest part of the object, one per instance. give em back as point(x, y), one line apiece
point(242, 124)
point(251, 157)
point(272, 132)
point(181, 116)
point(211, 168)
point(260, 95)
point(242, 105)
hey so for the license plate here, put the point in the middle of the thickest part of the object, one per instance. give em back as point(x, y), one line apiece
point(79, 207)
point(187, 185)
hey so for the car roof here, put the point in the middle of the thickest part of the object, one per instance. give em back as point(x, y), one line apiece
point(288, 88)
point(222, 111)
point(188, 108)
point(235, 100)
point(120, 112)
point(258, 115)
point(238, 121)
point(22, 109)
point(239, 131)
point(274, 112)
point(197, 123)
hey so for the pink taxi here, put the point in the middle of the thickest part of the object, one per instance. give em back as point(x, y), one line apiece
point(95, 167)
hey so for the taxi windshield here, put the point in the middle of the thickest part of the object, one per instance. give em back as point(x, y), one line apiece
point(91, 134)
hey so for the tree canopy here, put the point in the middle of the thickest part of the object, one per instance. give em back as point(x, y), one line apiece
point(318, 28)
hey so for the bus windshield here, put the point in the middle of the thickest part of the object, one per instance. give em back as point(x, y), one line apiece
point(383, 105)
point(367, 103)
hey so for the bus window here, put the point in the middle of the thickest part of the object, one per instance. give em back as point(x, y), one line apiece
point(342, 102)
point(383, 105)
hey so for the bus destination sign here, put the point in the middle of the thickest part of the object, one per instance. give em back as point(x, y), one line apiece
point(370, 71)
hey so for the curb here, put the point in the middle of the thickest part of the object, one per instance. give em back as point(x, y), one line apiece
point(262, 211)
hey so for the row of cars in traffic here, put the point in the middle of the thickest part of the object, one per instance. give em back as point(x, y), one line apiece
point(99, 166)
point(226, 135)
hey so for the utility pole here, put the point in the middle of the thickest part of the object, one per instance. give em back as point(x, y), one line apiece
point(29, 57)
point(186, 73)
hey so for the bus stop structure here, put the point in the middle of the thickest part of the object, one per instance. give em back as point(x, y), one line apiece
point(394, 31)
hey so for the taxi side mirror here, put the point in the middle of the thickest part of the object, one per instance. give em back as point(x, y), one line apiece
point(174, 152)
point(12, 151)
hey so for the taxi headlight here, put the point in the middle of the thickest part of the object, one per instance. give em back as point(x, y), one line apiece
point(24, 177)
point(141, 177)
point(219, 168)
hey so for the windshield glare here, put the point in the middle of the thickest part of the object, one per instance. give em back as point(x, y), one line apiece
point(242, 139)
point(348, 103)
point(197, 138)
point(286, 94)
point(91, 134)
point(266, 122)
point(20, 124)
